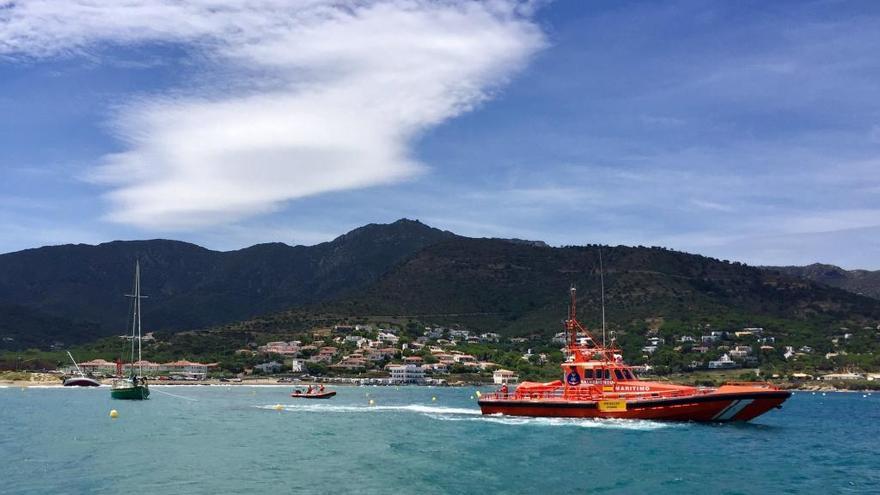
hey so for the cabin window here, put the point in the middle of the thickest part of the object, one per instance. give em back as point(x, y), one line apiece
point(618, 374)
point(629, 375)
point(588, 374)
point(607, 374)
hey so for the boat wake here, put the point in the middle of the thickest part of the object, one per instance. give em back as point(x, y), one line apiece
point(601, 423)
point(416, 408)
point(465, 414)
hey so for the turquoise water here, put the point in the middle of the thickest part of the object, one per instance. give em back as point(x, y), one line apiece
point(231, 440)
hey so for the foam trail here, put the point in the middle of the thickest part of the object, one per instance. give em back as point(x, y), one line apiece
point(416, 408)
point(613, 424)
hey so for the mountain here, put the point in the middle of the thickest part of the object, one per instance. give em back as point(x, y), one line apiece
point(521, 288)
point(23, 328)
point(193, 287)
point(408, 269)
point(862, 282)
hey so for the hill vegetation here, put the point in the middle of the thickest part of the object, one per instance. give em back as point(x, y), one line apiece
point(863, 282)
point(413, 274)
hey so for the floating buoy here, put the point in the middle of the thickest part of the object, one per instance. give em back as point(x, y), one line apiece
point(114, 413)
point(278, 407)
point(823, 394)
point(433, 399)
point(478, 393)
point(472, 397)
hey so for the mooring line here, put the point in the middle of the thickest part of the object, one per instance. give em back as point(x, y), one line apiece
point(174, 395)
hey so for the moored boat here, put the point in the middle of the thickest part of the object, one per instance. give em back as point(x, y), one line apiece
point(79, 381)
point(598, 384)
point(134, 386)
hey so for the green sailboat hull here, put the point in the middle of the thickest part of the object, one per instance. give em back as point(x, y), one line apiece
point(139, 392)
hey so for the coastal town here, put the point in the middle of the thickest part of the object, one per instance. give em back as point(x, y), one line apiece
point(377, 354)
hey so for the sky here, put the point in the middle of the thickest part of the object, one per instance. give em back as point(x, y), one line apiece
point(741, 130)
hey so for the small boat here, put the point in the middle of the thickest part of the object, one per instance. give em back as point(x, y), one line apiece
point(313, 395)
point(597, 384)
point(133, 387)
point(79, 381)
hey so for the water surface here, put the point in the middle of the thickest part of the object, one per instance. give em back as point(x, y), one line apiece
point(232, 440)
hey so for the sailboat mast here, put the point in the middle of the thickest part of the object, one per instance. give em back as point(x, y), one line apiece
point(137, 277)
point(74, 363)
point(134, 315)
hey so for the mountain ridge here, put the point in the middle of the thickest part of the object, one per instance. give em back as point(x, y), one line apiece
point(406, 268)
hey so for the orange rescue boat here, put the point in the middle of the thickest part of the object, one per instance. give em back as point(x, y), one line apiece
point(597, 384)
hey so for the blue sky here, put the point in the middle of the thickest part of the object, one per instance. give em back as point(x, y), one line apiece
point(739, 130)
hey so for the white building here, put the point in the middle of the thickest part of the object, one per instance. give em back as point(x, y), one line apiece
point(270, 367)
point(407, 373)
point(723, 363)
point(502, 377)
point(298, 365)
point(389, 338)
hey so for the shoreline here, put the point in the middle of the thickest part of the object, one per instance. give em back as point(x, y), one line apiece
point(53, 382)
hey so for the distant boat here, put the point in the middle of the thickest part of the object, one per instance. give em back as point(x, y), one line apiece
point(313, 394)
point(134, 387)
point(79, 381)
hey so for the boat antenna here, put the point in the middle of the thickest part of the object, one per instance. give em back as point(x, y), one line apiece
point(602, 282)
point(572, 316)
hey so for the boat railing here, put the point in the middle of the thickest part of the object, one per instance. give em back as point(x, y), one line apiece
point(586, 394)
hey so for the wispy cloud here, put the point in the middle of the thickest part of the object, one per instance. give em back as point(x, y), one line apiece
point(317, 96)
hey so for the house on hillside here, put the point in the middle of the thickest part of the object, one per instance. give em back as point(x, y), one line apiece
point(723, 363)
point(269, 368)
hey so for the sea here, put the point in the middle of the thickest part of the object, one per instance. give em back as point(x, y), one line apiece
point(415, 440)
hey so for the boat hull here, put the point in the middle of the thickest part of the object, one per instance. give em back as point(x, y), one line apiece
point(714, 407)
point(323, 395)
point(81, 381)
point(138, 392)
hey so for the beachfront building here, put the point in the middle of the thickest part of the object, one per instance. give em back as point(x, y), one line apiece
point(269, 368)
point(502, 377)
point(98, 366)
point(842, 376)
point(298, 365)
point(188, 369)
point(146, 367)
point(407, 374)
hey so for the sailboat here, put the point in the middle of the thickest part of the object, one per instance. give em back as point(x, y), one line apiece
point(133, 387)
point(82, 380)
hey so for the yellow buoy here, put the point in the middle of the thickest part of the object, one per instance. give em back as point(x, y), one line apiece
point(114, 413)
point(433, 398)
point(372, 402)
point(278, 407)
point(478, 393)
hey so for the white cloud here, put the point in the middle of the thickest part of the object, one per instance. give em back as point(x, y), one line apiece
point(328, 95)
